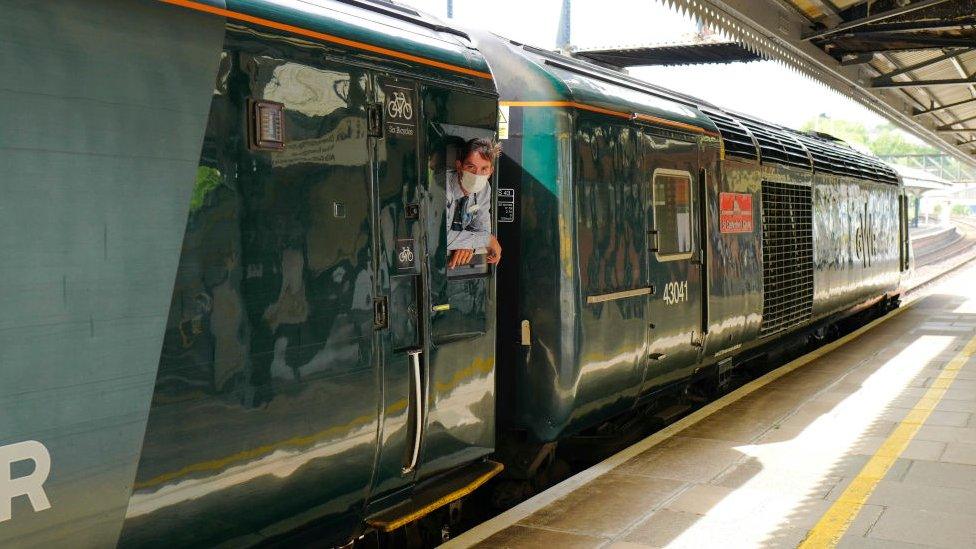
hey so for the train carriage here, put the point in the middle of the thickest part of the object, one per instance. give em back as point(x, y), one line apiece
point(663, 240)
point(318, 364)
point(312, 300)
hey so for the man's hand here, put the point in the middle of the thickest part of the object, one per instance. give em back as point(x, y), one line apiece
point(460, 257)
point(494, 251)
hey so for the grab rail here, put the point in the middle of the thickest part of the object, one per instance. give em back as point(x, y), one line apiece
point(420, 403)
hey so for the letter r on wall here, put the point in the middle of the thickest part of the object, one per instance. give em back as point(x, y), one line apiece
point(31, 485)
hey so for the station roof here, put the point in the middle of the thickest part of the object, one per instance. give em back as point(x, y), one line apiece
point(686, 53)
point(915, 178)
point(912, 62)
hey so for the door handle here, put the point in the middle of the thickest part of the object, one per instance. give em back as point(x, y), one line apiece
point(420, 398)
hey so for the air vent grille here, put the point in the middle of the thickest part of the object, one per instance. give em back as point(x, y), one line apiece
point(830, 157)
point(735, 138)
point(787, 226)
point(777, 146)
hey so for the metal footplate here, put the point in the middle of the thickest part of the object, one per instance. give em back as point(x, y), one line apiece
point(435, 493)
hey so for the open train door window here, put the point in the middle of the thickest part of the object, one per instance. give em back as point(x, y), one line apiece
point(670, 195)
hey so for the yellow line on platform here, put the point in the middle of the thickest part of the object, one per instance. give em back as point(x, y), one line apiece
point(509, 518)
point(835, 522)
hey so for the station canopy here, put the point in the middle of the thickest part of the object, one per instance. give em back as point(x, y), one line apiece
point(914, 63)
point(919, 180)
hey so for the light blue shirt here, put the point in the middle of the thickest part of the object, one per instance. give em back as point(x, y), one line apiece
point(476, 220)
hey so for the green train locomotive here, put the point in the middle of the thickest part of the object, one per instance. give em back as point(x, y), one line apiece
point(662, 240)
point(227, 310)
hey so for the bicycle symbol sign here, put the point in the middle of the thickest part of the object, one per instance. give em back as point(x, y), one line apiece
point(400, 101)
point(406, 255)
point(399, 107)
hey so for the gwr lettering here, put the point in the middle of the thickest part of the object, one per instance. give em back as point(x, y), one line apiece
point(31, 485)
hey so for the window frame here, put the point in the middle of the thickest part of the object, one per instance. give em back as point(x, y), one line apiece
point(692, 204)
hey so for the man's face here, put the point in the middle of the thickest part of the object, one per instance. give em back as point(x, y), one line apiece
point(476, 164)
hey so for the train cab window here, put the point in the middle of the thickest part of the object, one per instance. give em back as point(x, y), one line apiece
point(672, 213)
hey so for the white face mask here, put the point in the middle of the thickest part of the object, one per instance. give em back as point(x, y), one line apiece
point(472, 183)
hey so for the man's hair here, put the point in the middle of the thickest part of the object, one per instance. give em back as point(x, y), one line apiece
point(488, 149)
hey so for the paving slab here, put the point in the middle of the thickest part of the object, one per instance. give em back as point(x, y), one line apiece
point(685, 459)
point(586, 511)
point(892, 493)
point(959, 452)
point(947, 434)
point(518, 536)
point(931, 528)
point(953, 475)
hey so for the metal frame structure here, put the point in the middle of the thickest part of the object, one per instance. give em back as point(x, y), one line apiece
point(914, 64)
point(941, 165)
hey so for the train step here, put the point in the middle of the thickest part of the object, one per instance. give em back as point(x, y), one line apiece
point(435, 493)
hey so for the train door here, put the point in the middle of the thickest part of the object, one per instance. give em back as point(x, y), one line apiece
point(670, 195)
point(393, 127)
point(461, 403)
point(437, 333)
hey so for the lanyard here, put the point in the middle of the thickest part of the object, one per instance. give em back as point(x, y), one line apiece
point(460, 208)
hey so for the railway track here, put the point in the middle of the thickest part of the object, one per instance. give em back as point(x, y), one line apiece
point(933, 264)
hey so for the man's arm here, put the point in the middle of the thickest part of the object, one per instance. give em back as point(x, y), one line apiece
point(466, 240)
point(494, 251)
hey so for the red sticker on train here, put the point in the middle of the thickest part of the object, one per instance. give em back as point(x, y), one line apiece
point(735, 212)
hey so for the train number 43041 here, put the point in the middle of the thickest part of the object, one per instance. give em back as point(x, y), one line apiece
point(675, 292)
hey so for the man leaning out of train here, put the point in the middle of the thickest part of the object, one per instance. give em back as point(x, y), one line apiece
point(469, 204)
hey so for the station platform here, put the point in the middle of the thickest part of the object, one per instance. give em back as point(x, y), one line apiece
point(869, 441)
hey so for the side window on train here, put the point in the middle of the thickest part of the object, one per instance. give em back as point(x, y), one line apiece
point(672, 212)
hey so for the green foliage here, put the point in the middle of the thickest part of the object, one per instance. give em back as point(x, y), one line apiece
point(889, 140)
point(852, 132)
point(883, 139)
point(208, 179)
point(960, 209)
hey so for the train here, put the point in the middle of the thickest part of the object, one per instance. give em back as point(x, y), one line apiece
point(227, 309)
